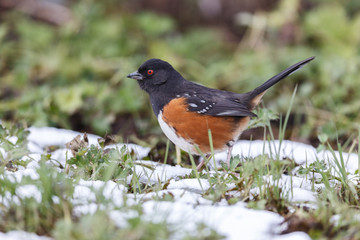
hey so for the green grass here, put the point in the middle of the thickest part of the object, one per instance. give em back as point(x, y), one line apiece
point(73, 76)
point(255, 181)
point(54, 214)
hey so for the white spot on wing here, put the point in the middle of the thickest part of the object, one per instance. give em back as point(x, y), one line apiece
point(203, 101)
point(193, 105)
point(226, 113)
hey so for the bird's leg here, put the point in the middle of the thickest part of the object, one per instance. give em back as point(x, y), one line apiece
point(203, 162)
point(230, 145)
point(229, 156)
point(178, 155)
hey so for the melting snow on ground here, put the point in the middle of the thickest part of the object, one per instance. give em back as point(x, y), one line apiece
point(233, 221)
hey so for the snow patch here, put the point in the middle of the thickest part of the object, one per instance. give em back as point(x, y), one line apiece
point(21, 235)
point(29, 191)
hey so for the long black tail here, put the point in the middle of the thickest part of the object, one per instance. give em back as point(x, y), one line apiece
point(258, 92)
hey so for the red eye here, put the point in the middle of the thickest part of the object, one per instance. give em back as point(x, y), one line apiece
point(150, 72)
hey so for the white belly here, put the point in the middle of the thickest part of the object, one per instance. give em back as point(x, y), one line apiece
point(178, 141)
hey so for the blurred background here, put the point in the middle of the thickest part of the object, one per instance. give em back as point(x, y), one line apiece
point(64, 63)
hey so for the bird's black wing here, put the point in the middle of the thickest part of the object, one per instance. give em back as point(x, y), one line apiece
point(215, 102)
point(222, 107)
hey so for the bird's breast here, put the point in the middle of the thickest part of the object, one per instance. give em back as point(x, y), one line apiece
point(188, 129)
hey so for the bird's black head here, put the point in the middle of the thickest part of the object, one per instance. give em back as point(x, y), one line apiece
point(154, 73)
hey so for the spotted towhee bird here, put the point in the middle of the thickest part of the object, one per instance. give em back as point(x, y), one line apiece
point(186, 111)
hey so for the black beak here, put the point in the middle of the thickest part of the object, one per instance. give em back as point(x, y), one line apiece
point(135, 75)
